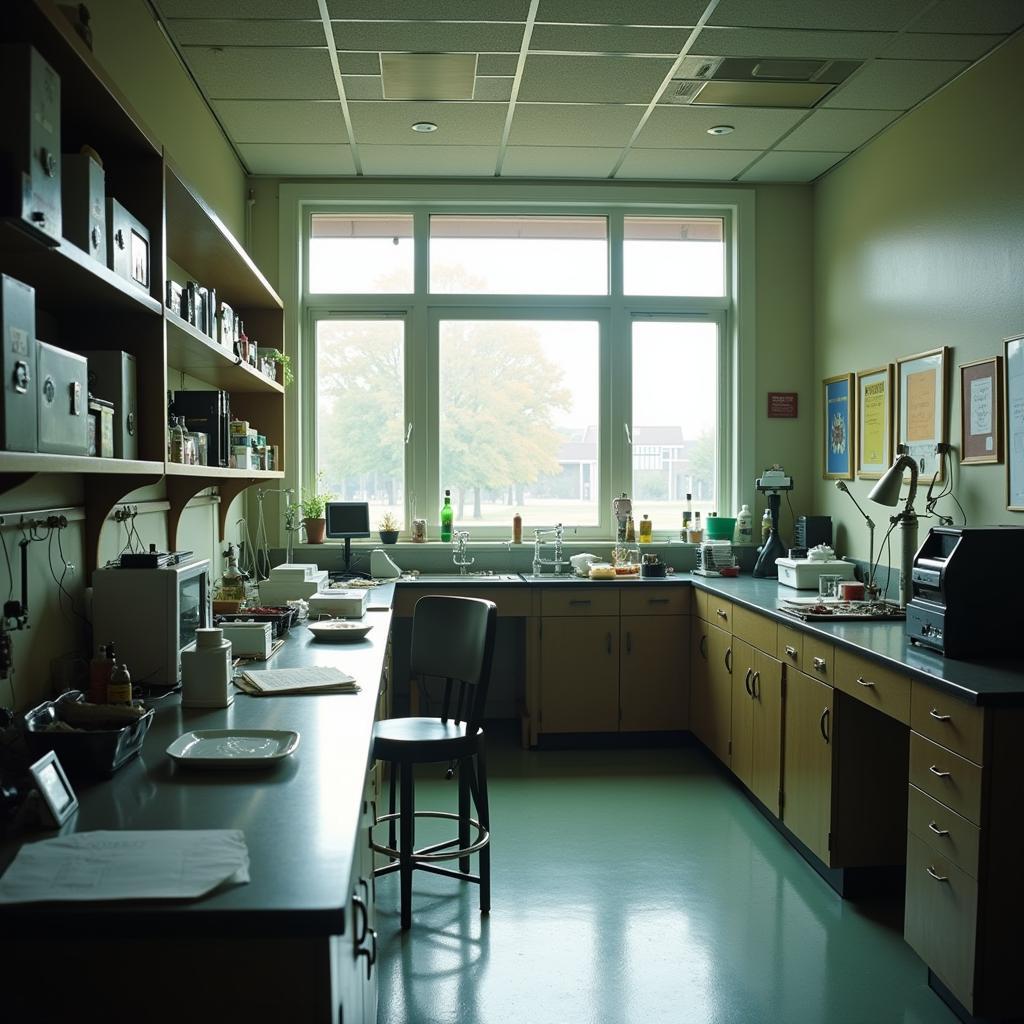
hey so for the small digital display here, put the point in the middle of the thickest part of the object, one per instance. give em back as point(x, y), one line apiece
point(348, 519)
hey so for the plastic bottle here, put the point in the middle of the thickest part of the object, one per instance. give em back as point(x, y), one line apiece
point(744, 532)
point(178, 441)
point(99, 676)
point(517, 529)
point(646, 530)
point(687, 517)
point(446, 517)
point(766, 526)
point(696, 531)
point(119, 689)
point(630, 531)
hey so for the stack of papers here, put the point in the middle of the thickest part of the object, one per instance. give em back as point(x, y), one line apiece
point(288, 681)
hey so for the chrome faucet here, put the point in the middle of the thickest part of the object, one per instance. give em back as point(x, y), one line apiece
point(538, 540)
point(460, 538)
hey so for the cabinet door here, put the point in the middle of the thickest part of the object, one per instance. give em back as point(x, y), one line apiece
point(579, 674)
point(742, 754)
point(766, 752)
point(653, 672)
point(699, 680)
point(719, 692)
point(807, 776)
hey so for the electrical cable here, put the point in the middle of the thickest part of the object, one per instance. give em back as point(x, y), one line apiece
point(10, 571)
point(888, 548)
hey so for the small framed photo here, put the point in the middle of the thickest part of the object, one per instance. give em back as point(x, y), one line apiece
point(874, 421)
point(981, 411)
point(1014, 406)
point(54, 788)
point(839, 427)
point(921, 409)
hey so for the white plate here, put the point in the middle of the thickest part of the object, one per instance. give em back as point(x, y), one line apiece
point(233, 748)
point(339, 630)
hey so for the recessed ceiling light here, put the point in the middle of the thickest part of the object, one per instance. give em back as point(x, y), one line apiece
point(424, 126)
point(721, 129)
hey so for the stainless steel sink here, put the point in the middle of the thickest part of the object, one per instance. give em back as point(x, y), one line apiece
point(471, 578)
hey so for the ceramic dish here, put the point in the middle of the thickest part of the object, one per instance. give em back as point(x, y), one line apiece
point(233, 748)
point(339, 630)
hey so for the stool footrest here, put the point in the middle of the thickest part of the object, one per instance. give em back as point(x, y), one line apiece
point(438, 851)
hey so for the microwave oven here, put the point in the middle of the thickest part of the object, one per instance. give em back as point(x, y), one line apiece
point(151, 616)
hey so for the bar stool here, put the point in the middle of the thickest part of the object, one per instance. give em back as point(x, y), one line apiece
point(453, 640)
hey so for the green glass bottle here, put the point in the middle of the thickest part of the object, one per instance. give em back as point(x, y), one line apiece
point(446, 517)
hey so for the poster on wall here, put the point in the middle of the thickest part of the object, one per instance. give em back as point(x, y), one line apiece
point(839, 424)
point(981, 411)
point(1015, 423)
point(874, 421)
point(921, 409)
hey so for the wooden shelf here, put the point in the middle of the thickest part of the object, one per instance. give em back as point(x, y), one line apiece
point(190, 350)
point(216, 473)
point(39, 462)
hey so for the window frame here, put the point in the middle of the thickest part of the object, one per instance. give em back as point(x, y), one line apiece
point(735, 313)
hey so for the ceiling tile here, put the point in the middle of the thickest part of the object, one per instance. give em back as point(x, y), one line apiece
point(794, 167)
point(868, 15)
point(499, 89)
point(414, 161)
point(685, 165)
point(354, 63)
point(497, 63)
point(417, 10)
point(238, 11)
point(555, 124)
point(687, 127)
point(926, 46)
point(363, 87)
point(615, 12)
point(282, 120)
point(893, 84)
point(608, 39)
point(559, 162)
point(249, 73)
point(460, 124)
point(1002, 16)
point(744, 42)
point(427, 37)
point(592, 79)
point(300, 160)
point(837, 131)
point(255, 32)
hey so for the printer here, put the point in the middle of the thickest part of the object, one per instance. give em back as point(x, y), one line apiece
point(966, 581)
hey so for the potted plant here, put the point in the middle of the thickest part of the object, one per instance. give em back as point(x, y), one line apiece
point(312, 506)
point(284, 373)
point(388, 529)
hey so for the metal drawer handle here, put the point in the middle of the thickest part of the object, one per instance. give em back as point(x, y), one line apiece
point(823, 726)
point(728, 660)
point(938, 831)
point(721, 614)
point(609, 642)
point(819, 665)
point(864, 682)
point(755, 686)
point(746, 682)
point(703, 646)
point(370, 954)
point(580, 601)
point(934, 712)
point(657, 600)
point(939, 772)
point(629, 642)
point(791, 651)
point(360, 935)
point(938, 878)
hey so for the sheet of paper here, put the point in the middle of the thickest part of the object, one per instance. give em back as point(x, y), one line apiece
point(297, 680)
point(981, 405)
point(170, 864)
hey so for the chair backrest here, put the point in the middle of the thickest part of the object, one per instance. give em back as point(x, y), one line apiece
point(453, 639)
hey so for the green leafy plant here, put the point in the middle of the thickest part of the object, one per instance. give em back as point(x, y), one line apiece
point(313, 502)
point(388, 523)
point(285, 362)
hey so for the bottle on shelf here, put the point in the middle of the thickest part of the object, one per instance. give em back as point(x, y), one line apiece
point(446, 517)
point(684, 532)
point(744, 532)
point(695, 534)
point(177, 440)
point(517, 529)
point(119, 689)
point(766, 526)
point(630, 531)
point(99, 676)
point(646, 530)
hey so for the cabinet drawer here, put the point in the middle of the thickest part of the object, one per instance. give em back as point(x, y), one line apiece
point(573, 600)
point(944, 831)
point(645, 600)
point(951, 722)
point(758, 630)
point(945, 776)
point(940, 919)
point(791, 646)
point(878, 687)
point(819, 659)
point(719, 612)
point(700, 602)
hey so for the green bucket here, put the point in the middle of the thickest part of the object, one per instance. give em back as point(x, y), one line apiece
point(719, 528)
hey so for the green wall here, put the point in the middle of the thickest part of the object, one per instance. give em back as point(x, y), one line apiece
point(919, 242)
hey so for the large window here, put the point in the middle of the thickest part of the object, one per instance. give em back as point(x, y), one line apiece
point(535, 362)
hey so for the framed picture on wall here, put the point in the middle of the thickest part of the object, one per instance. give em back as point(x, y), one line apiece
point(981, 411)
point(1014, 352)
point(874, 421)
point(921, 408)
point(840, 421)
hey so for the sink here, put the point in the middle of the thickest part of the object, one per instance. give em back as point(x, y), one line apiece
point(471, 578)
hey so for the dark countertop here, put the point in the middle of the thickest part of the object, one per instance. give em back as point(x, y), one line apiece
point(300, 817)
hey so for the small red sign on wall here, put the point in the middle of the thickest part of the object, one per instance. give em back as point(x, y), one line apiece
point(782, 405)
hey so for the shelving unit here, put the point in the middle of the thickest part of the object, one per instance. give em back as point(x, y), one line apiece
point(82, 305)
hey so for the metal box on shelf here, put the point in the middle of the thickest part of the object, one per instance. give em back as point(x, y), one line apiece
point(127, 245)
point(100, 428)
point(113, 376)
point(18, 430)
point(30, 140)
point(83, 194)
point(62, 384)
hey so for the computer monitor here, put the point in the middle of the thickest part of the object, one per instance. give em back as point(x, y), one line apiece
point(345, 520)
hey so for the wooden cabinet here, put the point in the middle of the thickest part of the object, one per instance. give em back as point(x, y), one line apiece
point(699, 672)
point(873, 684)
point(653, 686)
point(717, 697)
point(579, 673)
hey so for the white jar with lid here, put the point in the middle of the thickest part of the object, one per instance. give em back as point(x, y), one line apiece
point(206, 671)
point(744, 531)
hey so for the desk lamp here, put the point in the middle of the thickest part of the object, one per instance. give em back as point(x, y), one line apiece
point(869, 580)
point(887, 492)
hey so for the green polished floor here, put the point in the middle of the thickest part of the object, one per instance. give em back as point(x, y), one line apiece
point(638, 886)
